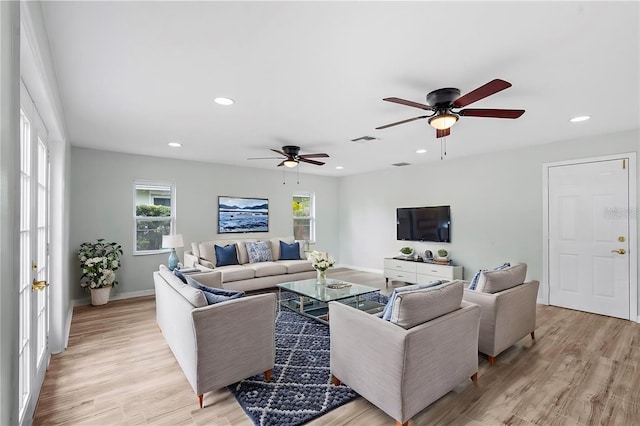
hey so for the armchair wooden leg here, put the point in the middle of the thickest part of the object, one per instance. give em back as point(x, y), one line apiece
point(399, 423)
point(200, 397)
point(474, 378)
point(267, 375)
point(533, 335)
point(336, 381)
point(492, 360)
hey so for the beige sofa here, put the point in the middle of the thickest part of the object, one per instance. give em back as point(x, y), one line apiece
point(429, 347)
point(215, 345)
point(508, 309)
point(250, 276)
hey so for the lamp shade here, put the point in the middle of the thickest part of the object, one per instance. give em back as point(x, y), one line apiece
point(172, 241)
point(290, 163)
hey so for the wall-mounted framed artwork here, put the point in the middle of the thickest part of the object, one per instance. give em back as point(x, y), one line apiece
point(241, 215)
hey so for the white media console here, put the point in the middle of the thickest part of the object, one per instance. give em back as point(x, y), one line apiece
point(411, 271)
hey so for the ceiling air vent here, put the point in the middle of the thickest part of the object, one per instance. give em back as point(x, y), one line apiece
point(401, 164)
point(364, 139)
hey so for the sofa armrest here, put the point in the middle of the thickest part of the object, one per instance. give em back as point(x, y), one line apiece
point(234, 340)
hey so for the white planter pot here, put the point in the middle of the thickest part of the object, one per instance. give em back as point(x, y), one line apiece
point(100, 296)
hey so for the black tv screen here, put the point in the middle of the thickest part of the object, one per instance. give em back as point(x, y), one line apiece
point(424, 224)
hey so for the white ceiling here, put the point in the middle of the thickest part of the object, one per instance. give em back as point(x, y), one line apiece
point(134, 76)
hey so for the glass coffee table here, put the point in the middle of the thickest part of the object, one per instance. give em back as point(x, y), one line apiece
point(311, 299)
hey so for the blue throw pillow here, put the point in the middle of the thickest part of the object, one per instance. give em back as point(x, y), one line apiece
point(227, 255)
point(289, 251)
point(386, 313)
point(259, 251)
point(212, 294)
point(180, 275)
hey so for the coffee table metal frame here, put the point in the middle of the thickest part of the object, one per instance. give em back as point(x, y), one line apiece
point(314, 297)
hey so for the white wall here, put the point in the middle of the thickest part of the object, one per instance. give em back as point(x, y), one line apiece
point(102, 206)
point(495, 199)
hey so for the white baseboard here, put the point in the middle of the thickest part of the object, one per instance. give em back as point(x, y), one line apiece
point(117, 296)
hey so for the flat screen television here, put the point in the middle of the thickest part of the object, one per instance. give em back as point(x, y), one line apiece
point(424, 224)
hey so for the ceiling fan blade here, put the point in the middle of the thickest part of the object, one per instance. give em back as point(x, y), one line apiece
point(317, 163)
point(321, 155)
point(402, 122)
point(408, 103)
point(442, 133)
point(494, 86)
point(279, 152)
point(492, 113)
point(281, 164)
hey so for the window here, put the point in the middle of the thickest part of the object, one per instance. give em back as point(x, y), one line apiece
point(304, 226)
point(154, 215)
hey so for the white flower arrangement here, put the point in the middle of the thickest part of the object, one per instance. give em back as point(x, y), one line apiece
point(98, 261)
point(321, 260)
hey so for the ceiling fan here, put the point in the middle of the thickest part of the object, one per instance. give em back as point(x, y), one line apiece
point(292, 157)
point(445, 104)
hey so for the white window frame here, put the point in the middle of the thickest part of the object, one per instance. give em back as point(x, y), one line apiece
point(138, 184)
point(312, 212)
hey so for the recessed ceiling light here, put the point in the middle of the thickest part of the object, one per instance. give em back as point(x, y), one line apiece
point(421, 151)
point(580, 118)
point(339, 167)
point(224, 101)
point(175, 144)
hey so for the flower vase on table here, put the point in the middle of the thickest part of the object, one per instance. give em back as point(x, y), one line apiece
point(321, 276)
point(321, 262)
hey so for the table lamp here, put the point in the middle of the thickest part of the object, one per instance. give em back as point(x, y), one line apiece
point(172, 241)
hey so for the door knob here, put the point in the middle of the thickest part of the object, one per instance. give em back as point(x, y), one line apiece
point(619, 251)
point(39, 285)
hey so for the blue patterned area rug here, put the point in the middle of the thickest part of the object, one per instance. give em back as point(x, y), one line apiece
point(301, 388)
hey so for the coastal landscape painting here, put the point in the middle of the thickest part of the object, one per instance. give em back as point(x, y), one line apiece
point(238, 215)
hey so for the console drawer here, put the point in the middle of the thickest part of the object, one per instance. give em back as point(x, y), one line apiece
point(394, 275)
point(400, 265)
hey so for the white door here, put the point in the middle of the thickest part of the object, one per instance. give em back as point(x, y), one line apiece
point(589, 237)
point(34, 259)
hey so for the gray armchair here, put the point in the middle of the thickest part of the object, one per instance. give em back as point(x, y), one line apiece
point(507, 315)
point(402, 368)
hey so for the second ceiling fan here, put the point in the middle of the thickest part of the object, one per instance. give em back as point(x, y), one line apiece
point(445, 104)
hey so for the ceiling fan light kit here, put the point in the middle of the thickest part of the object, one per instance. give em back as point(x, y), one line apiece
point(290, 163)
point(443, 121)
point(444, 101)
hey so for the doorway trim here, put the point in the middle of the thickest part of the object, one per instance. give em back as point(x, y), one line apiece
point(633, 232)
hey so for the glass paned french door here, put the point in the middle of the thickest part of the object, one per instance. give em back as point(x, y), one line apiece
point(33, 292)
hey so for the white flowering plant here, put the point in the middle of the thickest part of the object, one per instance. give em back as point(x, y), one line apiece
point(98, 261)
point(321, 260)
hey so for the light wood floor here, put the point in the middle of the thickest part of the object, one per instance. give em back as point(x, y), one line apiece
point(582, 369)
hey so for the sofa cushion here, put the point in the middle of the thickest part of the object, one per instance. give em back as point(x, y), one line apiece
point(226, 255)
point(295, 266)
point(495, 281)
point(474, 281)
point(192, 295)
point(243, 255)
point(386, 313)
point(180, 275)
point(236, 273)
point(289, 251)
point(267, 269)
point(412, 308)
point(259, 251)
point(212, 294)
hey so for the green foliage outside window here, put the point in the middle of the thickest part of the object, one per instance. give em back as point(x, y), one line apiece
point(149, 232)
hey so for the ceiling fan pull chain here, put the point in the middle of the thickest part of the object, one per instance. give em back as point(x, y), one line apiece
point(284, 182)
point(298, 174)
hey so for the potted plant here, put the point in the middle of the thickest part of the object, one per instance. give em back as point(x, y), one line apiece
point(443, 255)
point(406, 251)
point(99, 260)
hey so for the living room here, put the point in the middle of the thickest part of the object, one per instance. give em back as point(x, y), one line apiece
point(496, 195)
